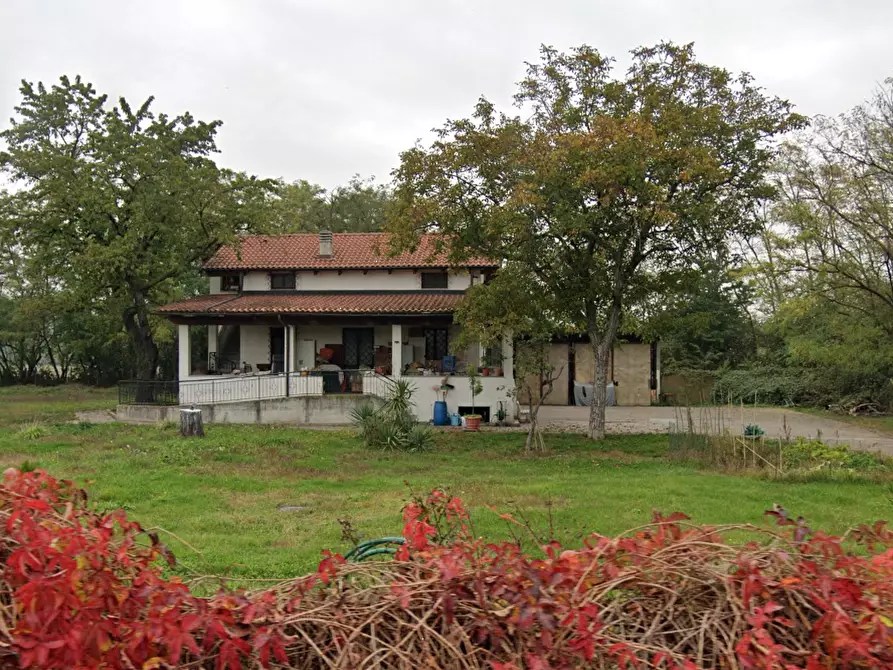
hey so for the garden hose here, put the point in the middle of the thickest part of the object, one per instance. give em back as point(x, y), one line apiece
point(373, 548)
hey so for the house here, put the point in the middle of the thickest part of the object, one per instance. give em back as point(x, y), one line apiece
point(634, 367)
point(309, 316)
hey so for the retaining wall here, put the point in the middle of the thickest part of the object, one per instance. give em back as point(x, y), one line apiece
point(331, 410)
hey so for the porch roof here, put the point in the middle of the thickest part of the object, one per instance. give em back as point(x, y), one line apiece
point(319, 302)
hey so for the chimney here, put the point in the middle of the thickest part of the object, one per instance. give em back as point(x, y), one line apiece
point(325, 243)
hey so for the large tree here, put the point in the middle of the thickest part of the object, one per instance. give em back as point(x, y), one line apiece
point(604, 186)
point(117, 204)
point(835, 210)
point(357, 207)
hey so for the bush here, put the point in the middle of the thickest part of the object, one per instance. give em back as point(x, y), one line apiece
point(819, 387)
point(392, 427)
point(85, 589)
point(815, 454)
point(753, 430)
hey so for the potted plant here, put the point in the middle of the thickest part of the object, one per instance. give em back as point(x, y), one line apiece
point(485, 371)
point(493, 362)
point(473, 420)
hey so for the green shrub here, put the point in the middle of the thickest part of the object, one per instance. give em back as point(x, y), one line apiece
point(790, 385)
point(814, 454)
point(392, 427)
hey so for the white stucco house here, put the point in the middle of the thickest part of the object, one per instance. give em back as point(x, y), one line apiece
point(277, 303)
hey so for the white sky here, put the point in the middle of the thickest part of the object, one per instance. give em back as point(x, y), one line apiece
point(326, 89)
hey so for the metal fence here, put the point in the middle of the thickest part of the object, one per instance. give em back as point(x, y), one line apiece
point(254, 387)
point(144, 392)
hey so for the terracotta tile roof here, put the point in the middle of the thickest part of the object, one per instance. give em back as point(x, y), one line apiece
point(300, 251)
point(201, 303)
point(356, 302)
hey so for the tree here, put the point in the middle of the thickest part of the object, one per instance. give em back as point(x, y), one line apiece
point(514, 305)
point(606, 188)
point(358, 207)
point(117, 205)
point(705, 325)
point(834, 206)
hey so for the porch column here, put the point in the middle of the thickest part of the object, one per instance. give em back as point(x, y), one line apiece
point(508, 352)
point(396, 350)
point(184, 352)
point(290, 342)
point(212, 340)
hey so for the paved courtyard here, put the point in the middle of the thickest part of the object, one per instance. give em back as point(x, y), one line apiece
point(775, 421)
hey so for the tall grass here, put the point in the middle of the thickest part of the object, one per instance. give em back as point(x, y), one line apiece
point(727, 452)
point(705, 440)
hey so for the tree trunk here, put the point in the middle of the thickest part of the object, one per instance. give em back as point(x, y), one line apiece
point(530, 444)
point(191, 423)
point(136, 322)
point(601, 350)
point(602, 345)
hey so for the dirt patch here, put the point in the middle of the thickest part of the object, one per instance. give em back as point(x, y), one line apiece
point(95, 416)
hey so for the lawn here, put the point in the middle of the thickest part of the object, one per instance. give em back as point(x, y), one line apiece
point(222, 494)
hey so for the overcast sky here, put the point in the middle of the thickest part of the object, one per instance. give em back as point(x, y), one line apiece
point(323, 89)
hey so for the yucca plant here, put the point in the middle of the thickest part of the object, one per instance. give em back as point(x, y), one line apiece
point(392, 427)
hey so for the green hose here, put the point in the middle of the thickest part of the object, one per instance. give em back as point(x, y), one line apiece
point(373, 548)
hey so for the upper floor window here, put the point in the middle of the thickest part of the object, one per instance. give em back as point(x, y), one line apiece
point(230, 283)
point(435, 280)
point(282, 281)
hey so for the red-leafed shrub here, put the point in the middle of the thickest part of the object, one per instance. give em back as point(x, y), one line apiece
point(83, 589)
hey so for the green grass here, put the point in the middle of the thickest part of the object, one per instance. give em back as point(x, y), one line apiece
point(20, 404)
point(221, 493)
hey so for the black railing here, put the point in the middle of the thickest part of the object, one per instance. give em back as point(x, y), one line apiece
point(143, 392)
point(217, 364)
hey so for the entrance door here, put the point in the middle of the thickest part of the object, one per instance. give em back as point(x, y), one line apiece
point(277, 349)
point(359, 348)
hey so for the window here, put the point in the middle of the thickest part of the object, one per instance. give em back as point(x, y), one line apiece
point(435, 280)
point(436, 344)
point(230, 283)
point(282, 281)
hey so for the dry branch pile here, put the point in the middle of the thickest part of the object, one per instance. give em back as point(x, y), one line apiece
point(82, 589)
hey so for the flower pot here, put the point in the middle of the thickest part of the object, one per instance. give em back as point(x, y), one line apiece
point(497, 372)
point(473, 422)
point(485, 372)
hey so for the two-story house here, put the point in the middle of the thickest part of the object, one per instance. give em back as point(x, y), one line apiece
point(281, 308)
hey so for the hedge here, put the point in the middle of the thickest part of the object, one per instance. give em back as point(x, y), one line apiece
point(82, 588)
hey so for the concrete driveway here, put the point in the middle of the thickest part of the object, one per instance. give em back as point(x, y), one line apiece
point(776, 422)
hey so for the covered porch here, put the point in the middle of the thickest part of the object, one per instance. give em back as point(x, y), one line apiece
point(254, 357)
